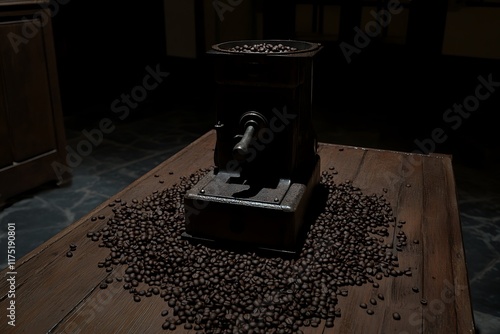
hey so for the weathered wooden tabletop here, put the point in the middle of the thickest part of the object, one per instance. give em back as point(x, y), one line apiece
point(60, 294)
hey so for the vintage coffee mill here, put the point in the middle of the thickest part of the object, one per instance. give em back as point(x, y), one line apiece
point(266, 161)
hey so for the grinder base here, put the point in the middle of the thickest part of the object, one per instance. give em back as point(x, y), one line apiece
point(220, 211)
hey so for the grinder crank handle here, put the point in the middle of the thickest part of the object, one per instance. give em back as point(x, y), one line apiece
point(241, 149)
point(252, 122)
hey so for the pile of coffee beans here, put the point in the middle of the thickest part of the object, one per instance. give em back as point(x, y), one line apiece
point(263, 48)
point(214, 290)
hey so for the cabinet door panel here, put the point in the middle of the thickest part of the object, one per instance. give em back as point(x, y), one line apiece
point(6, 158)
point(27, 94)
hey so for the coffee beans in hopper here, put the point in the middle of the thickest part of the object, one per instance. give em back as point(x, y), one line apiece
point(263, 48)
point(224, 291)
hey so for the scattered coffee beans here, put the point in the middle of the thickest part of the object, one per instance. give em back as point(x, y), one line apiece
point(220, 290)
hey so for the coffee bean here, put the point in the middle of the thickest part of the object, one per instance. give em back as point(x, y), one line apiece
point(93, 219)
point(69, 254)
point(109, 280)
point(72, 247)
point(373, 301)
point(423, 301)
point(363, 305)
point(415, 289)
point(137, 299)
point(103, 286)
point(262, 48)
point(396, 316)
point(164, 313)
point(214, 287)
point(370, 312)
point(380, 296)
point(101, 217)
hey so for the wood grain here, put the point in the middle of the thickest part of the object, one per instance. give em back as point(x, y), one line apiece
point(62, 295)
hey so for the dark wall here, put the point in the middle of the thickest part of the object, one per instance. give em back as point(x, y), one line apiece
point(103, 49)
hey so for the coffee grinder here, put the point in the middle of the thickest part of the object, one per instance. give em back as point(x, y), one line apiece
point(265, 157)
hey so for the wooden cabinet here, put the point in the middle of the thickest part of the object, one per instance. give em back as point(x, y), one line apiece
point(32, 135)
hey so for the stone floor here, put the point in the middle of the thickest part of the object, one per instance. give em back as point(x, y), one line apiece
point(143, 141)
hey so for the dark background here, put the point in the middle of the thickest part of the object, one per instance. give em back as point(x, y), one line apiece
point(400, 90)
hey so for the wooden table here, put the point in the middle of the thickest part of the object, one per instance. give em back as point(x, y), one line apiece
point(55, 293)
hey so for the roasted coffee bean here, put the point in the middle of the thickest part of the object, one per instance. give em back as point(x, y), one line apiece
point(72, 247)
point(423, 301)
point(396, 316)
point(415, 289)
point(101, 217)
point(220, 290)
point(69, 254)
point(109, 280)
point(370, 312)
point(103, 286)
point(380, 296)
point(262, 48)
point(93, 219)
point(363, 305)
point(164, 313)
point(373, 301)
